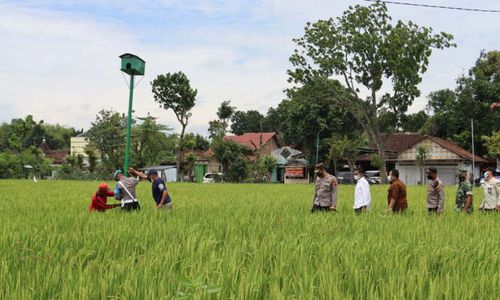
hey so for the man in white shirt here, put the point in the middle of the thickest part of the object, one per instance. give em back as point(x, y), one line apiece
point(491, 188)
point(362, 197)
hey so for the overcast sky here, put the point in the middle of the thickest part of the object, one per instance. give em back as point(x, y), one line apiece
point(59, 59)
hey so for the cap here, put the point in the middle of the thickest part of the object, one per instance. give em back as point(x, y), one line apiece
point(432, 170)
point(320, 166)
point(152, 172)
point(103, 186)
point(116, 173)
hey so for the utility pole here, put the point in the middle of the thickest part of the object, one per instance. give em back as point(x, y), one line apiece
point(473, 151)
point(132, 65)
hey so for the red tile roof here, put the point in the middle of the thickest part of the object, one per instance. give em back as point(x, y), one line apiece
point(251, 140)
point(402, 141)
point(57, 156)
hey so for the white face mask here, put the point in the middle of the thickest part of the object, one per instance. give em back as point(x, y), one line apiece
point(389, 178)
point(356, 177)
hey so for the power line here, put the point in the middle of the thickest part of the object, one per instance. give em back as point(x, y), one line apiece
point(436, 6)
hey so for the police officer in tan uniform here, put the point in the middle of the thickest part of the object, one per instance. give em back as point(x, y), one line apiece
point(435, 192)
point(325, 192)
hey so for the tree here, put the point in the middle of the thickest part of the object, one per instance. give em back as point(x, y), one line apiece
point(173, 91)
point(216, 130)
point(225, 111)
point(249, 121)
point(344, 149)
point(107, 136)
point(492, 143)
point(195, 142)
point(150, 144)
point(422, 155)
point(58, 137)
point(307, 112)
point(190, 163)
point(366, 51)
point(452, 110)
point(268, 164)
point(231, 156)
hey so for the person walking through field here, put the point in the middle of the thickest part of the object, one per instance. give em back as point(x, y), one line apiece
point(161, 196)
point(125, 191)
point(464, 198)
point(396, 194)
point(325, 191)
point(435, 192)
point(100, 199)
point(362, 196)
point(491, 188)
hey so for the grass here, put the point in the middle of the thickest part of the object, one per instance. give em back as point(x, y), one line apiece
point(240, 242)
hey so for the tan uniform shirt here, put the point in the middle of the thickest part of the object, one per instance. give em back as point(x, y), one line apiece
point(129, 183)
point(491, 194)
point(325, 191)
point(435, 194)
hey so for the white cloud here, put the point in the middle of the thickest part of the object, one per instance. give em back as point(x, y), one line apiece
point(61, 63)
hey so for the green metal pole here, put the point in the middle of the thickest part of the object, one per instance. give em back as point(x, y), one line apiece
point(129, 124)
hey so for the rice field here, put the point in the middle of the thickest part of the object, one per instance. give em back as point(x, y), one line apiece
point(226, 241)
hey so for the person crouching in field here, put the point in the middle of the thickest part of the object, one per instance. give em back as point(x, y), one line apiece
point(396, 194)
point(362, 196)
point(125, 191)
point(159, 189)
point(435, 192)
point(325, 193)
point(100, 199)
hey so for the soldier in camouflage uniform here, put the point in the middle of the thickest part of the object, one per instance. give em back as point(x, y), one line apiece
point(464, 193)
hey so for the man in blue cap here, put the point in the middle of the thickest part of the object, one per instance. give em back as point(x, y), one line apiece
point(159, 189)
point(125, 191)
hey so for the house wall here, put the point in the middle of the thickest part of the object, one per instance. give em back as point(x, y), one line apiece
point(78, 145)
point(269, 147)
point(411, 173)
point(436, 152)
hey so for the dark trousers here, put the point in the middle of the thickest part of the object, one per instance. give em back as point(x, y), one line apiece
point(432, 210)
point(317, 208)
point(131, 206)
point(361, 209)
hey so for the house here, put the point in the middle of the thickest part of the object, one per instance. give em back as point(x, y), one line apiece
point(262, 143)
point(78, 145)
point(167, 172)
point(57, 157)
point(291, 166)
point(205, 163)
point(446, 156)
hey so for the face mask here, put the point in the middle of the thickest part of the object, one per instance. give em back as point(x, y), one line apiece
point(461, 178)
point(356, 177)
point(389, 178)
point(429, 177)
point(486, 175)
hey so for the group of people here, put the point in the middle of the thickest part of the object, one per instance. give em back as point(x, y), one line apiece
point(125, 192)
point(326, 185)
point(325, 193)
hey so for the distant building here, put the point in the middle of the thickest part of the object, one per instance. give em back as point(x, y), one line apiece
point(446, 156)
point(263, 143)
point(57, 156)
point(291, 166)
point(78, 145)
